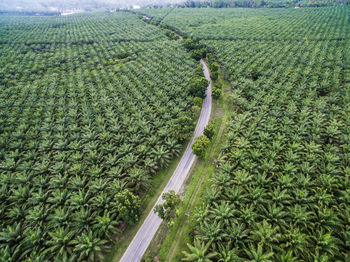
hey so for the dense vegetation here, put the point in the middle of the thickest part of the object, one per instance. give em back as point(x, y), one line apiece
point(282, 186)
point(261, 3)
point(91, 107)
point(329, 23)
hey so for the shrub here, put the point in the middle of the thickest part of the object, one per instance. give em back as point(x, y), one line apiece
point(200, 145)
point(198, 87)
point(216, 93)
point(197, 101)
point(209, 130)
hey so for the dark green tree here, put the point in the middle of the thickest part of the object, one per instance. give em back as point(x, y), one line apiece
point(198, 87)
point(200, 145)
point(197, 101)
point(209, 130)
point(167, 210)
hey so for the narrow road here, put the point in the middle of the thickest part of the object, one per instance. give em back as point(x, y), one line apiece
point(145, 234)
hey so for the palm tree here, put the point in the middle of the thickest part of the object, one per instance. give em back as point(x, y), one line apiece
point(60, 218)
point(213, 232)
point(106, 225)
point(299, 215)
point(237, 233)
point(222, 212)
point(257, 254)
point(199, 252)
point(60, 243)
point(280, 197)
point(161, 155)
point(33, 241)
point(12, 237)
point(88, 247)
point(327, 219)
point(37, 215)
point(201, 214)
point(326, 243)
point(222, 180)
point(83, 219)
point(248, 214)
point(226, 254)
point(265, 234)
point(296, 242)
point(173, 146)
point(286, 256)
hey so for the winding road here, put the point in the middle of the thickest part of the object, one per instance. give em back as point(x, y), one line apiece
point(145, 234)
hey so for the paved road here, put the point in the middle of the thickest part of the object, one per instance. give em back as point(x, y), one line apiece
point(144, 235)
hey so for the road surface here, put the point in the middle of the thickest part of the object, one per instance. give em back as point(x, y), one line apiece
point(145, 234)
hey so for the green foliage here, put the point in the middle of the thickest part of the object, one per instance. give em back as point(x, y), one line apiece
point(214, 67)
point(128, 206)
point(167, 210)
point(182, 127)
point(198, 87)
point(198, 71)
point(259, 3)
point(200, 145)
point(171, 34)
point(280, 192)
point(214, 75)
point(209, 130)
point(198, 53)
point(189, 44)
point(197, 101)
point(216, 93)
point(199, 252)
point(85, 121)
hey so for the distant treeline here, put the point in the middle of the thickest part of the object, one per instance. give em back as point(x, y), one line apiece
point(30, 13)
point(261, 3)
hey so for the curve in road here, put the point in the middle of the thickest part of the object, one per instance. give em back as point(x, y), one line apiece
point(145, 234)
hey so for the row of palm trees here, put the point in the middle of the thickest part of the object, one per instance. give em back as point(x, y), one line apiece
point(83, 128)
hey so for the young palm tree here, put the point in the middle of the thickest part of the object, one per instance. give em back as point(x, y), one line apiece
point(227, 254)
point(11, 236)
point(326, 243)
point(256, 254)
point(88, 247)
point(265, 234)
point(199, 252)
point(296, 242)
point(106, 226)
point(161, 155)
point(222, 212)
point(60, 244)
